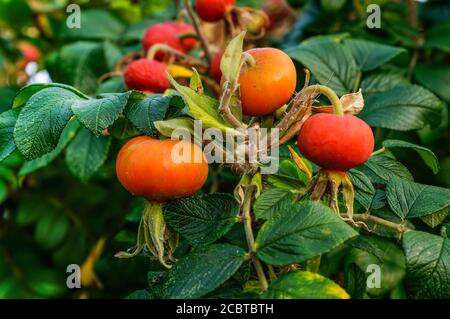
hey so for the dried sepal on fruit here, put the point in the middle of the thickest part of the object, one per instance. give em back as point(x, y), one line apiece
point(159, 171)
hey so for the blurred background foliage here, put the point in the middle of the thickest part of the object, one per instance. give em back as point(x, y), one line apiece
point(49, 219)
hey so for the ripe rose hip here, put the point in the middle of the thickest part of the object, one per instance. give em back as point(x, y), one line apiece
point(180, 28)
point(269, 84)
point(162, 33)
point(146, 75)
point(145, 167)
point(213, 10)
point(215, 66)
point(336, 142)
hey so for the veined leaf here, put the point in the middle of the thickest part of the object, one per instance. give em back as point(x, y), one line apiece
point(86, 153)
point(370, 55)
point(202, 219)
point(307, 230)
point(42, 120)
point(202, 271)
point(304, 285)
point(403, 108)
point(427, 265)
point(334, 66)
point(7, 122)
point(408, 199)
point(426, 154)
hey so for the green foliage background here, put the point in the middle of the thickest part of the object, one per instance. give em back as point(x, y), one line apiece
point(57, 201)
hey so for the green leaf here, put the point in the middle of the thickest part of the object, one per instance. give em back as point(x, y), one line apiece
point(372, 250)
point(96, 25)
point(427, 265)
point(402, 108)
point(113, 85)
point(79, 64)
point(364, 190)
point(144, 112)
point(370, 55)
point(3, 192)
point(140, 294)
point(435, 78)
point(203, 108)
point(274, 202)
point(436, 219)
point(202, 271)
point(382, 168)
point(230, 64)
point(42, 120)
point(332, 5)
point(7, 122)
point(304, 285)
point(426, 154)
point(202, 219)
point(382, 81)
point(123, 129)
point(409, 200)
point(67, 135)
point(355, 281)
point(308, 230)
point(51, 229)
point(437, 37)
point(99, 114)
point(168, 126)
point(195, 83)
point(334, 66)
point(28, 91)
point(47, 283)
point(86, 154)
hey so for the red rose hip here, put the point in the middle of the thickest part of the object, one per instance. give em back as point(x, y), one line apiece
point(146, 75)
point(213, 10)
point(336, 142)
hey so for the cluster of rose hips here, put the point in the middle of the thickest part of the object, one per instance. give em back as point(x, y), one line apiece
point(267, 81)
point(149, 75)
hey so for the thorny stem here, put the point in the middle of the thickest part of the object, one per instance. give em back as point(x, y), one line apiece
point(246, 207)
point(380, 221)
point(191, 14)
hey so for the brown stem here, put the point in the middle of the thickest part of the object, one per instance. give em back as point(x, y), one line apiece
point(411, 6)
point(224, 107)
point(191, 14)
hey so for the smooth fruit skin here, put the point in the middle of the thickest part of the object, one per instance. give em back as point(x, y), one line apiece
point(215, 71)
point(162, 33)
point(213, 10)
point(146, 75)
point(269, 84)
point(180, 28)
point(145, 168)
point(334, 142)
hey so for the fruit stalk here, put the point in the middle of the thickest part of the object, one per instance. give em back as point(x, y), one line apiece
point(329, 93)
